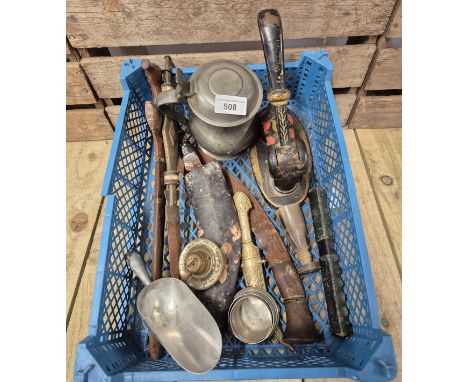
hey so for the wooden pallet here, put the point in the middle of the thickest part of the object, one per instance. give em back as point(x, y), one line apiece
point(93, 27)
point(375, 107)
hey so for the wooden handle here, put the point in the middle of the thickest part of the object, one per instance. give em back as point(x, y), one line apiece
point(157, 247)
point(154, 77)
point(271, 33)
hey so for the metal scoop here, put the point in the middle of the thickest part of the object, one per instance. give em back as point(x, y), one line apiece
point(180, 322)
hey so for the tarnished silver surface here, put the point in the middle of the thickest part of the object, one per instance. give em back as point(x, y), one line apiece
point(253, 315)
point(180, 322)
point(223, 143)
point(223, 135)
point(224, 77)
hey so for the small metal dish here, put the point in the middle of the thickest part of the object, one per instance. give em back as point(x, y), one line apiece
point(253, 315)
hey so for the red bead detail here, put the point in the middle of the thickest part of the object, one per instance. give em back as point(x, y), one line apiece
point(270, 140)
point(290, 119)
point(291, 133)
point(266, 126)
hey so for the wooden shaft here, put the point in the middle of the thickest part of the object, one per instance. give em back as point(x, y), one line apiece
point(153, 117)
point(171, 182)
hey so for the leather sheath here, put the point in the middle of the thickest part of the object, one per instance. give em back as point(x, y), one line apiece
point(217, 221)
point(300, 326)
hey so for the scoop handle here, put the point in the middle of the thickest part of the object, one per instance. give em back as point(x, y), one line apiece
point(137, 266)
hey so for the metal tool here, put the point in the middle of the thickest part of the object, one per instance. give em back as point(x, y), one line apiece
point(251, 265)
point(216, 221)
point(154, 118)
point(219, 130)
point(171, 175)
point(300, 328)
point(201, 264)
point(181, 323)
point(253, 315)
point(338, 313)
point(281, 161)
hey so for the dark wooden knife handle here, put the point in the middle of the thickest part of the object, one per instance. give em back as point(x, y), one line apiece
point(271, 33)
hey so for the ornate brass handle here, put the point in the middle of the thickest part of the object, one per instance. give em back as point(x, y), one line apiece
point(251, 261)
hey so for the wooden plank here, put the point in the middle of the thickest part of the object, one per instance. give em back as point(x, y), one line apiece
point(350, 64)
point(100, 23)
point(67, 52)
point(381, 150)
point(86, 165)
point(78, 90)
point(77, 328)
point(88, 125)
point(387, 280)
point(113, 113)
point(396, 24)
point(344, 103)
point(386, 73)
point(377, 112)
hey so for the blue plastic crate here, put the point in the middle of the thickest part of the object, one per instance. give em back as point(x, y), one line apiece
point(115, 347)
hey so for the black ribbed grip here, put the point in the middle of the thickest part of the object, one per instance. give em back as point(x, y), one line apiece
point(338, 313)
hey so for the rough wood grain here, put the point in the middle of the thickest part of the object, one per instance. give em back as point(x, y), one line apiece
point(387, 280)
point(78, 326)
point(113, 113)
point(386, 73)
point(100, 23)
point(395, 30)
point(88, 125)
point(377, 112)
point(350, 64)
point(344, 103)
point(381, 149)
point(78, 90)
point(86, 165)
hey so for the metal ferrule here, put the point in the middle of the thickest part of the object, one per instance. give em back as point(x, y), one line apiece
point(279, 97)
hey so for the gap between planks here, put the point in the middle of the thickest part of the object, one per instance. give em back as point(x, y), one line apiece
point(370, 141)
point(86, 165)
point(350, 63)
point(83, 265)
point(380, 44)
point(77, 329)
point(387, 280)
